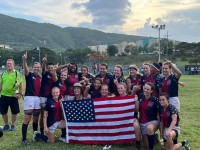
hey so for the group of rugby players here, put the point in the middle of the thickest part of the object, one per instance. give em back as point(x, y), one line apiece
point(155, 92)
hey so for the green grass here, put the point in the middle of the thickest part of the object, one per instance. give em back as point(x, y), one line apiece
point(190, 126)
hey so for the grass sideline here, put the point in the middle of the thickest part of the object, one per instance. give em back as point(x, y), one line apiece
point(190, 127)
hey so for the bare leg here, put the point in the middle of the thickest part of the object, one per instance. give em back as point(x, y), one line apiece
point(177, 146)
point(14, 119)
point(51, 137)
point(5, 118)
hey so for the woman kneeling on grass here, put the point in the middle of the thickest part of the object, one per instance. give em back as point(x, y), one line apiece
point(52, 118)
point(169, 124)
point(148, 106)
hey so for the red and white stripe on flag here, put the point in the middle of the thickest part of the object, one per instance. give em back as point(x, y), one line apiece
point(114, 123)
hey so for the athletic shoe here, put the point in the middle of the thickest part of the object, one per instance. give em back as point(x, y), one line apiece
point(107, 147)
point(1, 133)
point(25, 142)
point(12, 128)
point(6, 127)
point(1, 128)
point(187, 145)
point(62, 139)
point(34, 135)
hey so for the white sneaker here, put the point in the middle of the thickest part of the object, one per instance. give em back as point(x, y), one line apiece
point(62, 139)
point(34, 135)
point(107, 147)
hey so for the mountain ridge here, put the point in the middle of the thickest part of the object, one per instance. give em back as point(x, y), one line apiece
point(21, 33)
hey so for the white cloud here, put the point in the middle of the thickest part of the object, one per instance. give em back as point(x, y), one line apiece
point(130, 16)
point(57, 12)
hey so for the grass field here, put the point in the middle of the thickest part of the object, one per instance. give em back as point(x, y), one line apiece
point(190, 126)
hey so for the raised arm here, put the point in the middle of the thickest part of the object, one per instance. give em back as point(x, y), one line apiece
point(58, 69)
point(175, 69)
point(55, 77)
point(25, 66)
point(87, 90)
point(128, 83)
point(44, 61)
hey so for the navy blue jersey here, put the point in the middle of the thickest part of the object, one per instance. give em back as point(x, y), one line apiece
point(135, 81)
point(107, 80)
point(170, 85)
point(46, 84)
point(120, 79)
point(95, 93)
point(54, 111)
point(148, 108)
point(61, 86)
point(166, 115)
point(32, 84)
point(89, 76)
point(156, 80)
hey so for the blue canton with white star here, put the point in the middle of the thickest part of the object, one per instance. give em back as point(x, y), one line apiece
point(79, 110)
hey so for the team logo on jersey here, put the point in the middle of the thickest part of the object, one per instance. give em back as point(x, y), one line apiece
point(60, 84)
point(168, 114)
point(33, 78)
point(168, 82)
point(150, 104)
point(52, 106)
point(49, 76)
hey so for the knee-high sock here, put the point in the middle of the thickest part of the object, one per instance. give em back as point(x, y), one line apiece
point(63, 132)
point(24, 131)
point(42, 130)
point(151, 140)
point(35, 126)
point(42, 137)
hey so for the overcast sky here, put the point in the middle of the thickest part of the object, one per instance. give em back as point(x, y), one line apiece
point(133, 17)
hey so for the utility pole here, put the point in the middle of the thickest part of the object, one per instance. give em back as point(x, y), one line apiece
point(159, 27)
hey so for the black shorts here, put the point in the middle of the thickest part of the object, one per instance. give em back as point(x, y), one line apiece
point(6, 101)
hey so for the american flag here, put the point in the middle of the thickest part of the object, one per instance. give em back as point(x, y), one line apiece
point(100, 120)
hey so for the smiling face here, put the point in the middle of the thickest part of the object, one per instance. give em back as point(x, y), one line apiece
point(36, 68)
point(10, 64)
point(103, 70)
point(121, 88)
point(50, 68)
point(55, 93)
point(146, 69)
point(77, 90)
point(132, 72)
point(104, 90)
point(72, 68)
point(147, 90)
point(63, 75)
point(84, 71)
point(166, 70)
point(97, 84)
point(117, 72)
point(163, 101)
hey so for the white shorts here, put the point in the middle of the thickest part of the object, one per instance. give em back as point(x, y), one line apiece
point(69, 98)
point(43, 101)
point(143, 126)
point(31, 102)
point(175, 102)
point(166, 129)
point(53, 128)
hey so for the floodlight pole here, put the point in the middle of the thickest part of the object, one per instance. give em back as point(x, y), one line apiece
point(159, 27)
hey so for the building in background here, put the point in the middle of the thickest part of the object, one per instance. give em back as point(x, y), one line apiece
point(99, 48)
point(5, 47)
